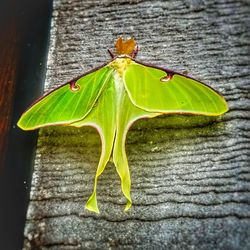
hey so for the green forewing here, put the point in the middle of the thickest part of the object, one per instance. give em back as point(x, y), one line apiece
point(63, 105)
point(148, 90)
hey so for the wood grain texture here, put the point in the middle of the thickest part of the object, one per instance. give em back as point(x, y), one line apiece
point(190, 183)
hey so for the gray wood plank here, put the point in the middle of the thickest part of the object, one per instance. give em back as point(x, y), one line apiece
point(190, 179)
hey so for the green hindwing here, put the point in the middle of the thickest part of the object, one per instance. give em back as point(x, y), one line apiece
point(103, 118)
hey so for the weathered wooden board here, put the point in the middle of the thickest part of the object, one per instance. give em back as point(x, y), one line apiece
point(190, 184)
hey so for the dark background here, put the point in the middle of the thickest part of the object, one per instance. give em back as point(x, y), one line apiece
point(24, 31)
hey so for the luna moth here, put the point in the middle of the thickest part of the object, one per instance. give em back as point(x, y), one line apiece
point(112, 97)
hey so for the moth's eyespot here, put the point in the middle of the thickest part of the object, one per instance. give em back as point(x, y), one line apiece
point(166, 78)
point(74, 87)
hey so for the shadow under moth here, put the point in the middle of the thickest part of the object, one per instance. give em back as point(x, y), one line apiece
point(112, 97)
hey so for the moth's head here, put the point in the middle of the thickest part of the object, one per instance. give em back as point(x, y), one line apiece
point(126, 47)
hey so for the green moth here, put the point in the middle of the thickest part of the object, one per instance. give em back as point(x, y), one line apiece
point(112, 97)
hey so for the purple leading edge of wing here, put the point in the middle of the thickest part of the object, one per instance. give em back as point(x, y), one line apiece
point(172, 73)
point(72, 84)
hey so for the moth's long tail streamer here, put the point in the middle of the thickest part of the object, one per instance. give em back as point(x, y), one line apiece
point(122, 168)
point(105, 156)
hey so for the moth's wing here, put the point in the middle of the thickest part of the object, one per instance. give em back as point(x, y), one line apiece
point(103, 118)
point(68, 103)
point(156, 90)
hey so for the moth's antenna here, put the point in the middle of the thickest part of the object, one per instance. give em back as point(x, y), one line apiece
point(135, 52)
point(111, 53)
